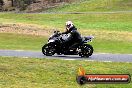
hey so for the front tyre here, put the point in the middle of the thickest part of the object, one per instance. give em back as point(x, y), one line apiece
point(86, 50)
point(48, 50)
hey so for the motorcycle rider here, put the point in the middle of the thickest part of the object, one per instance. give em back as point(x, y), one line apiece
point(74, 35)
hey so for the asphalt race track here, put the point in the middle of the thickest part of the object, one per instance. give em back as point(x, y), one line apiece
point(105, 57)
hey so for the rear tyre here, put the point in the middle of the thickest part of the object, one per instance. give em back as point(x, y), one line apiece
point(48, 50)
point(86, 50)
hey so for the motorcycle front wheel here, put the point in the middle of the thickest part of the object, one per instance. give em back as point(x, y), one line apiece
point(48, 50)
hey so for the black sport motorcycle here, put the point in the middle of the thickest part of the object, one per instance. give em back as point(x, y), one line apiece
point(55, 45)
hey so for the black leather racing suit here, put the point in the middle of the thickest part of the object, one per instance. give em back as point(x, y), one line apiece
point(74, 37)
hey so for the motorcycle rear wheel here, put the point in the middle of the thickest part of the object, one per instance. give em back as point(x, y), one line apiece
point(86, 50)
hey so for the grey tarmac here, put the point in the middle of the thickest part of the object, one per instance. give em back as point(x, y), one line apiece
point(103, 57)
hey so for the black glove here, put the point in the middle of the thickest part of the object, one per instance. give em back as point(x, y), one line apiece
point(60, 33)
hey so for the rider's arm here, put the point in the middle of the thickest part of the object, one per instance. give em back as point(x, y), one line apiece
point(64, 32)
point(70, 37)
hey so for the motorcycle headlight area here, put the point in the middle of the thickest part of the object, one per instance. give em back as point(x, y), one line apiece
point(51, 40)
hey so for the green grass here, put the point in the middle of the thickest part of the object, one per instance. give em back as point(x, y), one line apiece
point(94, 6)
point(119, 22)
point(47, 73)
point(21, 42)
point(112, 32)
point(28, 42)
point(112, 46)
point(116, 22)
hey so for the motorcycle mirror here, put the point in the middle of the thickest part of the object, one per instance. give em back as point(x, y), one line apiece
point(56, 31)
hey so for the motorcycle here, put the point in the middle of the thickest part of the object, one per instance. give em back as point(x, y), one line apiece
point(55, 46)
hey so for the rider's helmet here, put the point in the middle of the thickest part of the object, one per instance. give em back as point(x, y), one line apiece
point(69, 24)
